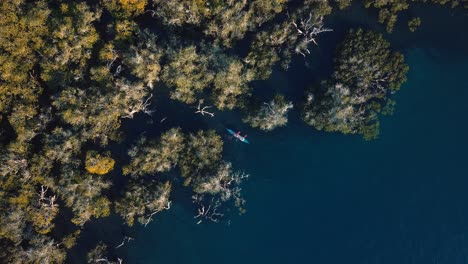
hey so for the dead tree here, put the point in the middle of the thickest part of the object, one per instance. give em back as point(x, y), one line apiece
point(308, 29)
point(124, 241)
point(142, 106)
point(45, 201)
point(207, 211)
point(202, 110)
point(149, 217)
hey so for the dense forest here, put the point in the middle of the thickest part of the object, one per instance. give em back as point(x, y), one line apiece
point(72, 72)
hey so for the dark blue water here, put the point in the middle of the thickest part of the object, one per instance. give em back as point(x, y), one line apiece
point(316, 197)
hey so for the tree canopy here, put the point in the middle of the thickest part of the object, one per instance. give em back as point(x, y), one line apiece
point(366, 73)
point(79, 80)
point(270, 115)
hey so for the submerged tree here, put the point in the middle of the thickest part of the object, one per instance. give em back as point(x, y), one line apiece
point(99, 255)
point(213, 180)
point(223, 182)
point(414, 23)
point(142, 201)
point(389, 10)
point(270, 115)
point(97, 112)
point(226, 21)
point(366, 72)
point(83, 194)
point(71, 72)
point(150, 157)
point(215, 189)
point(294, 35)
point(41, 249)
point(229, 85)
point(202, 153)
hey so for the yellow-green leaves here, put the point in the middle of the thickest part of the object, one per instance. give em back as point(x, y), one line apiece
point(366, 72)
point(151, 157)
point(125, 8)
point(229, 85)
point(143, 201)
point(74, 36)
point(188, 72)
point(98, 164)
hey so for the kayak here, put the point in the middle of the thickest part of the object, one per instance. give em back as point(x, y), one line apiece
point(239, 137)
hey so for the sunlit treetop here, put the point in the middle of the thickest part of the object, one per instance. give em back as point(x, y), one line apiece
point(98, 164)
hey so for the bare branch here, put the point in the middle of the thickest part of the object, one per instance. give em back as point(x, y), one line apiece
point(46, 201)
point(269, 107)
point(140, 107)
point(207, 212)
point(203, 111)
point(114, 58)
point(118, 70)
point(124, 241)
point(153, 12)
point(149, 217)
point(308, 29)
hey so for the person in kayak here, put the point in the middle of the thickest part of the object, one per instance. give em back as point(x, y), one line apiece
point(238, 135)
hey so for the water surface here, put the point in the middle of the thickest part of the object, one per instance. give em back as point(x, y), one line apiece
point(316, 197)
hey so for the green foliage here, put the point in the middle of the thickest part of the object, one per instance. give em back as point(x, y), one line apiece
point(23, 29)
point(98, 164)
point(389, 10)
point(97, 112)
point(414, 23)
point(83, 194)
point(191, 73)
point(150, 157)
point(142, 201)
point(125, 8)
point(364, 59)
point(187, 71)
point(61, 145)
point(270, 115)
point(12, 223)
point(343, 4)
point(227, 21)
point(144, 59)
point(43, 211)
point(224, 183)
point(68, 79)
point(202, 153)
point(366, 72)
point(70, 240)
point(41, 249)
point(294, 35)
point(229, 85)
point(182, 12)
point(99, 254)
point(74, 36)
